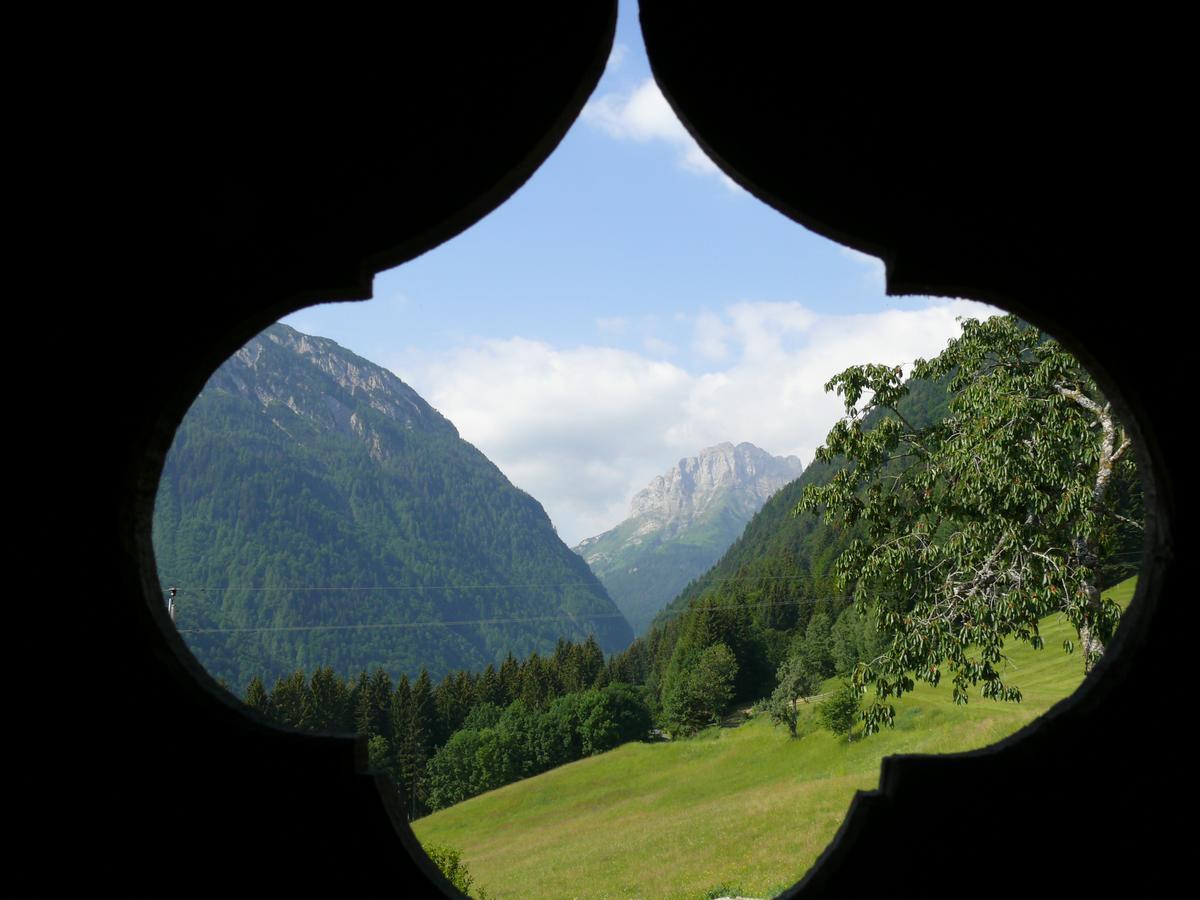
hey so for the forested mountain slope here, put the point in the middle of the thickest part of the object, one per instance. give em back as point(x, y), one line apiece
point(783, 560)
point(778, 574)
point(315, 510)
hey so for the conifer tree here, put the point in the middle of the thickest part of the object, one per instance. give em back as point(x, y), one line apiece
point(324, 703)
point(364, 709)
point(590, 663)
point(256, 696)
point(380, 704)
point(489, 689)
point(510, 679)
point(289, 700)
point(537, 687)
point(816, 650)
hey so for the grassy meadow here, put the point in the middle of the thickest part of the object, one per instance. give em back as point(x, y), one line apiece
point(745, 809)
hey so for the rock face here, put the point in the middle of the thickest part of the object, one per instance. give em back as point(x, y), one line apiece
point(314, 510)
point(681, 523)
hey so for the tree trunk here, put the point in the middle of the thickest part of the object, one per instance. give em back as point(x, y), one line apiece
point(1088, 550)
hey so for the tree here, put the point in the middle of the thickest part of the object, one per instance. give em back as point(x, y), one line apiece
point(981, 523)
point(797, 681)
point(612, 716)
point(816, 649)
point(699, 696)
point(379, 755)
point(257, 697)
point(412, 709)
point(838, 712)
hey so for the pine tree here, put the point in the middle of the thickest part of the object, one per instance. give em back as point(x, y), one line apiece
point(324, 703)
point(537, 686)
point(510, 679)
point(364, 719)
point(256, 696)
point(590, 663)
point(380, 693)
point(489, 689)
point(289, 700)
point(413, 717)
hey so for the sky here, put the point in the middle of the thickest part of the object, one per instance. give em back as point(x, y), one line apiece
point(630, 306)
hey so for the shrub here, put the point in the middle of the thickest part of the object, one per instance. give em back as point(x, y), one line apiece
point(839, 712)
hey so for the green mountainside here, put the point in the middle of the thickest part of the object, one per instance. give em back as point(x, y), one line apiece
point(681, 524)
point(314, 510)
point(781, 561)
point(776, 579)
point(736, 811)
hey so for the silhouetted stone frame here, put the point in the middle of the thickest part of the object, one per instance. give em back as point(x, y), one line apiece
point(954, 260)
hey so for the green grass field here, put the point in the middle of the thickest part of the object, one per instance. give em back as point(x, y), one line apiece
point(747, 809)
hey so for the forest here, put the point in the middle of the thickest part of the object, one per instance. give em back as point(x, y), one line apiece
point(771, 621)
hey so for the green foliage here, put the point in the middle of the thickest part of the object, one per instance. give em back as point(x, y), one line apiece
point(283, 479)
point(449, 861)
point(495, 748)
point(644, 575)
point(453, 775)
point(379, 754)
point(612, 716)
point(256, 696)
point(780, 572)
point(797, 681)
point(972, 527)
point(816, 650)
point(722, 890)
point(839, 712)
point(701, 690)
point(626, 823)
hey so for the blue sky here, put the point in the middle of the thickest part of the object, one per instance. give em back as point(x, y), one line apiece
point(628, 306)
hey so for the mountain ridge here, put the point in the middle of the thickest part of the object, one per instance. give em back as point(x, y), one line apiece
point(681, 523)
point(318, 503)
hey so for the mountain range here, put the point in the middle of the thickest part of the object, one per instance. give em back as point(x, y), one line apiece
point(681, 524)
point(315, 510)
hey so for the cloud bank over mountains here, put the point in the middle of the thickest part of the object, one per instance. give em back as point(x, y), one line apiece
point(583, 428)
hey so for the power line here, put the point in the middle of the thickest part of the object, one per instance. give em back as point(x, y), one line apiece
point(457, 587)
point(512, 620)
point(388, 587)
point(1128, 557)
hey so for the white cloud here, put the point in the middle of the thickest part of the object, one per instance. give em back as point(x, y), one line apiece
point(583, 429)
point(644, 115)
point(873, 268)
point(710, 336)
point(613, 325)
point(616, 58)
point(659, 347)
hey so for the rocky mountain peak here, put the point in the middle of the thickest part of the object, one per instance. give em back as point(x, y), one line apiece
point(681, 523)
point(335, 390)
point(743, 474)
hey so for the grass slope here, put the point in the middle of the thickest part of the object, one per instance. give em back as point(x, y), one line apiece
point(743, 808)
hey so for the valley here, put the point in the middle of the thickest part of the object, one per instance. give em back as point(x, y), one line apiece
point(745, 808)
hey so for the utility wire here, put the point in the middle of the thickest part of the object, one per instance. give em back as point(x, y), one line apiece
point(498, 621)
point(514, 620)
point(1128, 557)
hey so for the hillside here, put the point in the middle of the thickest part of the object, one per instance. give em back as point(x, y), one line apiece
point(781, 557)
point(744, 808)
point(315, 510)
point(681, 523)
